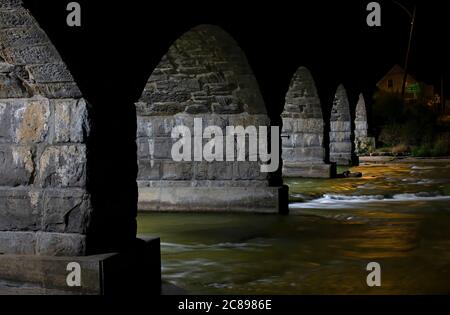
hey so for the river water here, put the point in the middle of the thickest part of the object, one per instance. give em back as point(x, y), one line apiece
point(397, 215)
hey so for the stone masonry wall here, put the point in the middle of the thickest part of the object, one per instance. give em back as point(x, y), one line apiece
point(302, 120)
point(361, 118)
point(303, 153)
point(203, 75)
point(363, 143)
point(340, 129)
point(44, 125)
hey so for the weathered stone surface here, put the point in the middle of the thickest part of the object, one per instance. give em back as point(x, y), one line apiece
point(340, 129)
point(14, 18)
point(28, 55)
point(303, 127)
point(176, 170)
point(57, 89)
point(20, 209)
point(203, 75)
point(42, 243)
point(301, 154)
point(207, 198)
point(71, 121)
point(309, 169)
point(49, 72)
point(66, 210)
point(12, 86)
point(44, 128)
point(197, 109)
point(60, 244)
point(62, 166)
point(149, 169)
point(363, 143)
point(202, 65)
point(361, 118)
point(22, 36)
point(20, 243)
point(53, 210)
point(17, 165)
point(31, 121)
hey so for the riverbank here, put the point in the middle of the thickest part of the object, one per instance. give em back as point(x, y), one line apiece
point(403, 159)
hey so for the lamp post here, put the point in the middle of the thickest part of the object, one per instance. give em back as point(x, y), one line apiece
point(413, 19)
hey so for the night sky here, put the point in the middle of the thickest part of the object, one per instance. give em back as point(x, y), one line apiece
point(119, 45)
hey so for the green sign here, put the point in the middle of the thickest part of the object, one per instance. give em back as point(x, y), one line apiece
point(413, 88)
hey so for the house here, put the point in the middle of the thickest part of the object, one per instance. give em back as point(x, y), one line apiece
point(414, 90)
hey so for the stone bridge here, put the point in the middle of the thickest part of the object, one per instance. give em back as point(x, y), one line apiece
point(52, 166)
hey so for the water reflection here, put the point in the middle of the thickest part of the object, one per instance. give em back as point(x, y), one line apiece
point(335, 229)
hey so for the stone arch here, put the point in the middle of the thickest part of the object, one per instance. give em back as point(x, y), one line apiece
point(303, 153)
point(363, 143)
point(45, 206)
point(361, 126)
point(204, 74)
point(340, 129)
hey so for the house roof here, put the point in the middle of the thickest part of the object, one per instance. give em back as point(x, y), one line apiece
point(395, 70)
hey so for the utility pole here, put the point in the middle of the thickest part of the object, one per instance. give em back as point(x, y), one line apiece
point(442, 95)
point(413, 19)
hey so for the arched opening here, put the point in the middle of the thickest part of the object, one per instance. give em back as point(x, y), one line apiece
point(341, 129)
point(204, 76)
point(363, 143)
point(303, 152)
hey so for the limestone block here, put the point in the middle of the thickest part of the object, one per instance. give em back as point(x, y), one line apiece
point(341, 147)
point(42, 243)
point(49, 72)
point(60, 244)
point(57, 89)
point(62, 166)
point(307, 139)
point(344, 126)
point(213, 170)
point(22, 36)
point(20, 243)
point(12, 87)
point(20, 209)
point(161, 148)
point(149, 169)
point(26, 55)
point(14, 18)
point(144, 127)
point(176, 170)
point(31, 120)
point(313, 169)
point(302, 154)
point(17, 165)
point(71, 121)
point(66, 210)
point(340, 136)
point(197, 109)
point(249, 171)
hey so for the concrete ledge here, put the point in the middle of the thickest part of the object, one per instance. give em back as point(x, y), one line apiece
point(226, 199)
point(137, 271)
point(308, 170)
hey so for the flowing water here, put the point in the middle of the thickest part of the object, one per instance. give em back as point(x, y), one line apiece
point(397, 215)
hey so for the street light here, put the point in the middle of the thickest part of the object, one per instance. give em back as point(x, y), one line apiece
point(413, 19)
